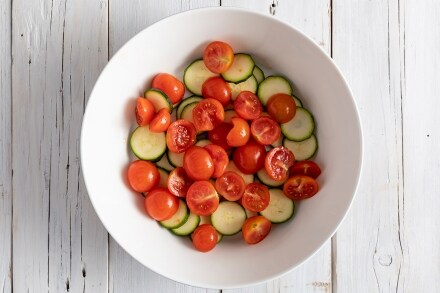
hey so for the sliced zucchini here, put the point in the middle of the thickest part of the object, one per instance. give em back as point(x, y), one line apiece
point(187, 112)
point(248, 178)
point(203, 142)
point(207, 220)
point(159, 100)
point(303, 150)
point(179, 218)
point(185, 102)
point(188, 227)
point(278, 142)
point(147, 145)
point(249, 84)
point(241, 68)
point(265, 179)
point(229, 114)
point(163, 177)
point(228, 218)
point(164, 163)
point(297, 101)
point(175, 159)
point(300, 127)
point(280, 209)
point(195, 75)
point(258, 73)
point(250, 214)
point(272, 85)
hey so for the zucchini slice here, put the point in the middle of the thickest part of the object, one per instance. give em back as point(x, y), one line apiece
point(303, 150)
point(265, 179)
point(258, 73)
point(228, 218)
point(188, 227)
point(163, 177)
point(249, 84)
point(241, 68)
point(272, 85)
point(297, 101)
point(179, 218)
point(186, 102)
point(147, 145)
point(159, 100)
point(280, 209)
point(195, 75)
point(187, 112)
point(175, 159)
point(203, 142)
point(300, 127)
point(164, 163)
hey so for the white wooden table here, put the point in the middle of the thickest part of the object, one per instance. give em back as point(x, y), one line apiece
point(52, 51)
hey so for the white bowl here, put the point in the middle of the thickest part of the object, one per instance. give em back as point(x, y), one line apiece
point(168, 46)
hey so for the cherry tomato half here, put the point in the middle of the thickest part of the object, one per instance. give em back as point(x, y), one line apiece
point(198, 164)
point(218, 135)
point(181, 134)
point(219, 157)
point(308, 168)
point(161, 121)
point(208, 114)
point(202, 198)
point(277, 163)
point(218, 56)
point(161, 204)
point(248, 105)
point(300, 187)
point(265, 130)
point(239, 134)
point(204, 238)
point(179, 182)
point(256, 197)
point(250, 157)
point(217, 88)
point(144, 111)
point(170, 85)
point(143, 176)
point(281, 107)
point(255, 229)
point(230, 185)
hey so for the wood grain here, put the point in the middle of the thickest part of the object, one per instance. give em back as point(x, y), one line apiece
point(59, 48)
point(5, 148)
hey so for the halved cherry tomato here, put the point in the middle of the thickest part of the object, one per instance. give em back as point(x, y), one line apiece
point(249, 158)
point(255, 197)
point(204, 238)
point(217, 88)
point(143, 176)
point(248, 105)
point(161, 204)
point(308, 168)
point(230, 185)
point(198, 164)
point(170, 85)
point(255, 229)
point(179, 182)
point(218, 57)
point(239, 134)
point(202, 198)
point(208, 114)
point(265, 130)
point(277, 163)
point(218, 135)
point(300, 187)
point(144, 111)
point(219, 157)
point(181, 134)
point(161, 121)
point(281, 107)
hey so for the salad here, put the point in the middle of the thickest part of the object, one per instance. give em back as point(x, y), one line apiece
point(233, 157)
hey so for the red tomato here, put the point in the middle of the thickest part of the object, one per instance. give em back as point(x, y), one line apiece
point(300, 187)
point(277, 163)
point(161, 121)
point(256, 197)
point(265, 130)
point(230, 185)
point(208, 114)
point(218, 57)
point(202, 198)
point(217, 88)
point(144, 111)
point(143, 176)
point(218, 135)
point(181, 134)
point(250, 157)
point(281, 107)
point(219, 157)
point(161, 204)
point(170, 85)
point(179, 182)
point(248, 105)
point(239, 134)
point(308, 168)
point(198, 163)
point(204, 238)
point(255, 229)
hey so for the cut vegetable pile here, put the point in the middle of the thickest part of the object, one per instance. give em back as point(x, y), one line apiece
point(234, 159)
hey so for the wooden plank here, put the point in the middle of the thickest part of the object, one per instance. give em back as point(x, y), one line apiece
point(369, 245)
point(5, 148)
point(313, 18)
point(59, 48)
point(125, 273)
point(419, 202)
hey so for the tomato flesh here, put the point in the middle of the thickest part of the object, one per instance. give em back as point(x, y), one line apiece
point(143, 176)
point(281, 107)
point(248, 105)
point(204, 238)
point(249, 158)
point(239, 134)
point(219, 157)
point(300, 187)
point(217, 88)
point(218, 56)
point(144, 111)
point(202, 198)
point(218, 135)
point(198, 164)
point(308, 168)
point(161, 204)
point(265, 130)
point(277, 163)
point(208, 114)
point(230, 185)
point(161, 121)
point(170, 85)
point(178, 182)
point(255, 197)
point(181, 134)
point(255, 229)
